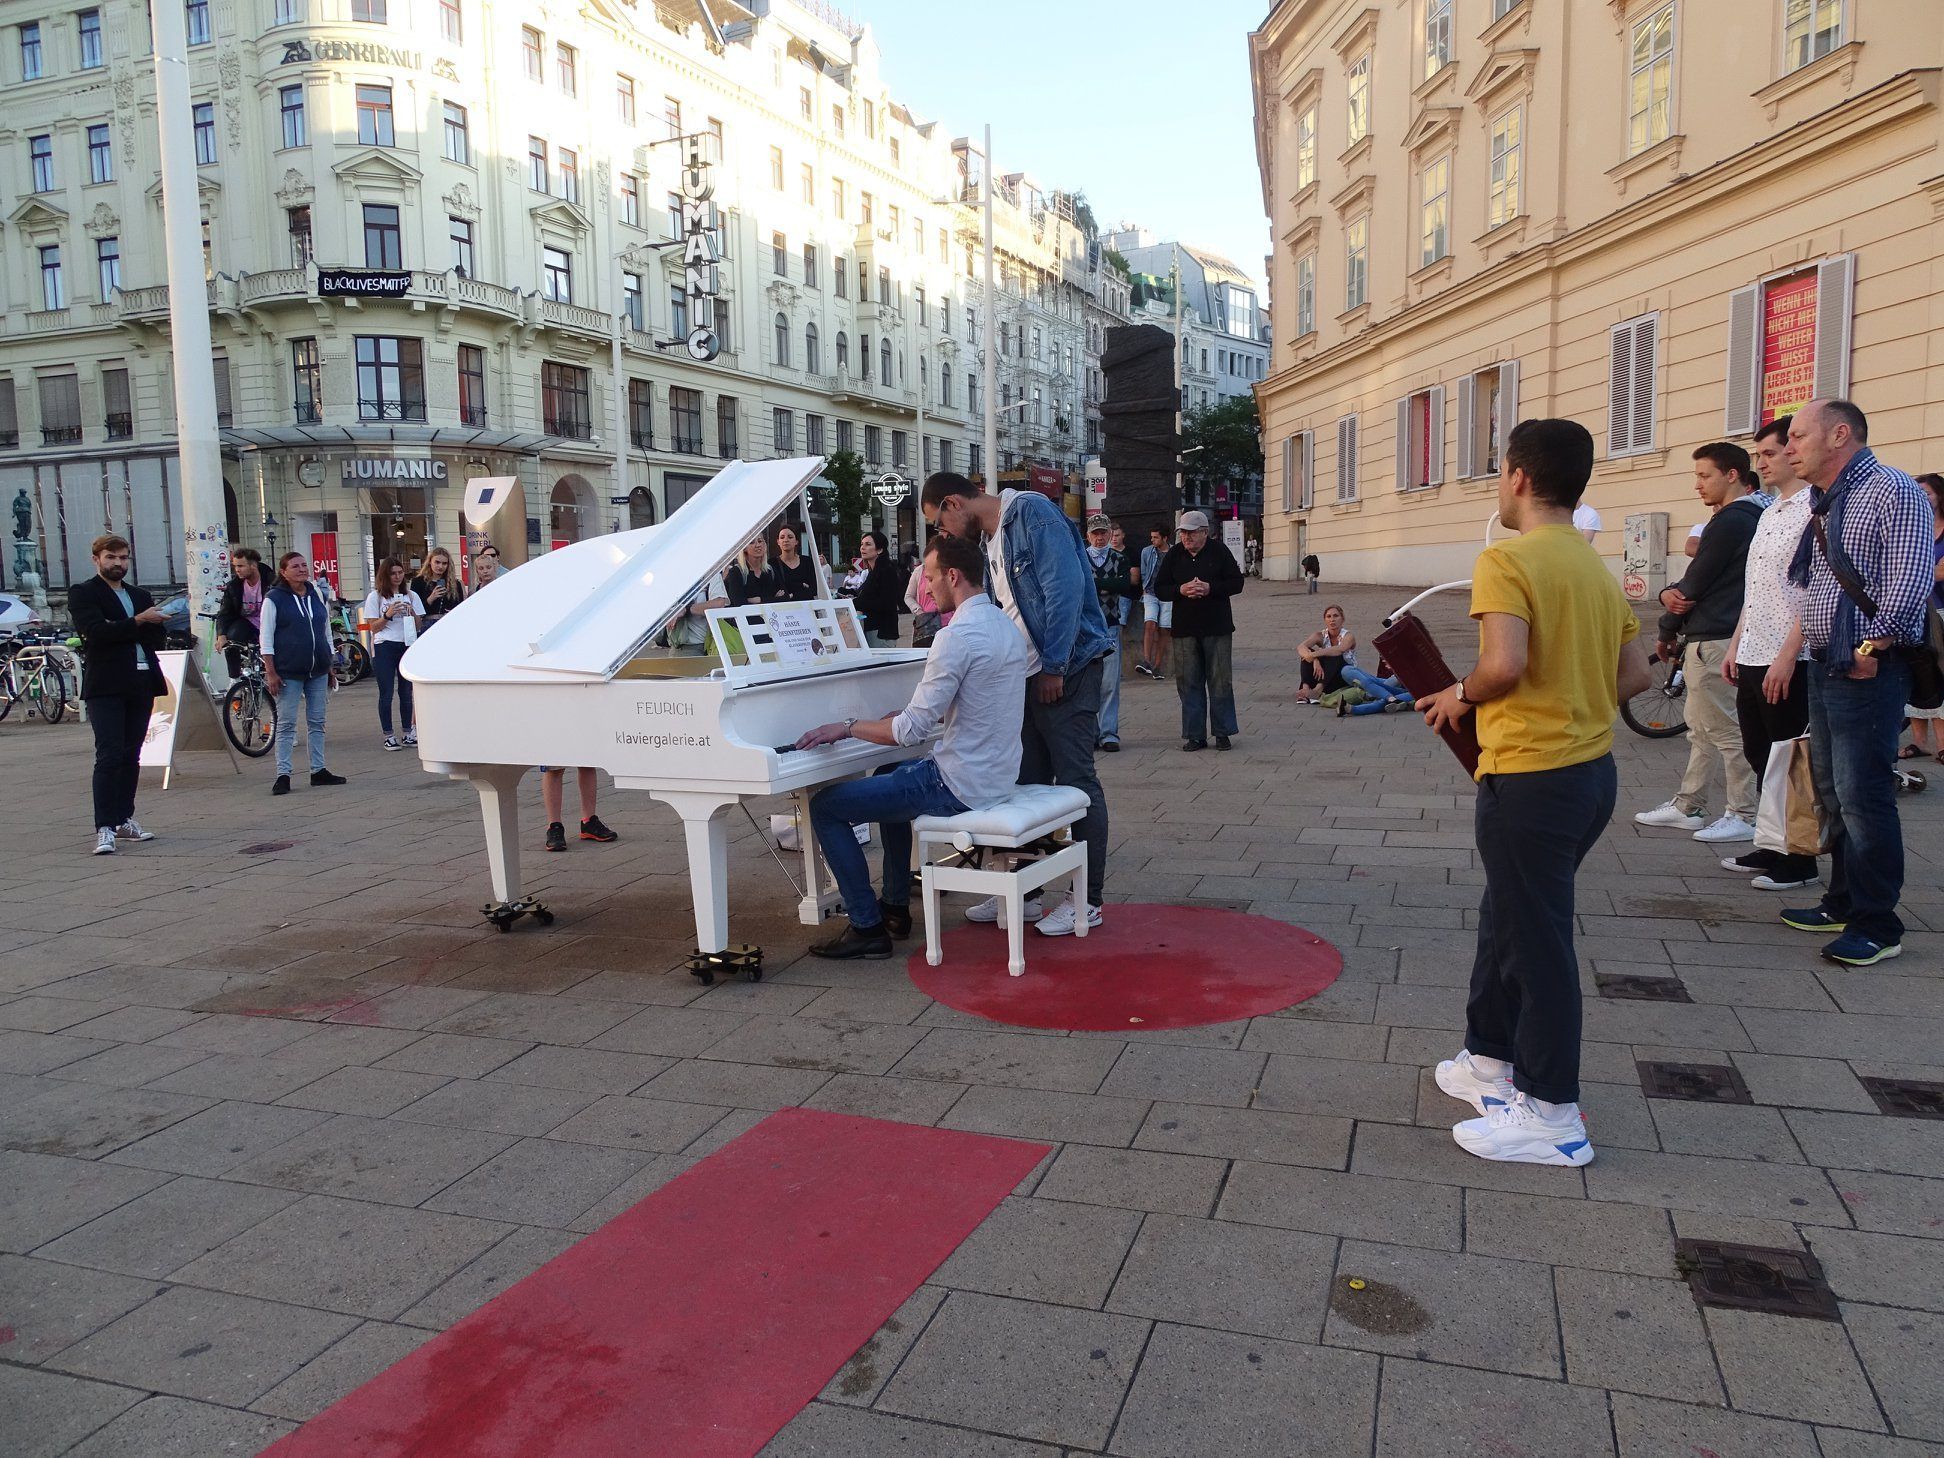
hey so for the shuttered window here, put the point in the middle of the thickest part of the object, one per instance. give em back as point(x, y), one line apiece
point(1633, 353)
point(1299, 471)
point(1835, 289)
point(1488, 408)
point(1420, 439)
point(1346, 466)
point(1289, 473)
point(1755, 392)
point(224, 414)
point(60, 407)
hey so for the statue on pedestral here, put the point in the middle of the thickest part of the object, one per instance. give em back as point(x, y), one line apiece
point(23, 515)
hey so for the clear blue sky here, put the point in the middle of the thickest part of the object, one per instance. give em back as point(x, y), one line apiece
point(1144, 106)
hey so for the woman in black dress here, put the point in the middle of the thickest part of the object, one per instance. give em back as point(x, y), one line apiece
point(796, 574)
point(752, 579)
point(881, 597)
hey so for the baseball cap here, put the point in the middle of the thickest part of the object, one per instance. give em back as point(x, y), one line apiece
point(1099, 522)
point(1192, 521)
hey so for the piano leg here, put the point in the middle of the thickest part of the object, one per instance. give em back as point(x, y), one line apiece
point(819, 894)
point(499, 802)
point(708, 857)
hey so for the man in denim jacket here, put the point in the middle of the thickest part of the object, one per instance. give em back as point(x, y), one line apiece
point(1039, 576)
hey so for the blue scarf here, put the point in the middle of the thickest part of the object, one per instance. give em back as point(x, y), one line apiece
point(1846, 624)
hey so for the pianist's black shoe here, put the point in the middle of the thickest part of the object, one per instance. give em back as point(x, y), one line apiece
point(592, 829)
point(325, 777)
point(873, 943)
point(897, 920)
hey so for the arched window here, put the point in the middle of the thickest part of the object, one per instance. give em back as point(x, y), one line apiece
point(812, 353)
point(783, 340)
point(843, 350)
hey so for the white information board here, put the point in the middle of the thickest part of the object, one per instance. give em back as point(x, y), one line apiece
point(1232, 537)
point(185, 718)
point(777, 640)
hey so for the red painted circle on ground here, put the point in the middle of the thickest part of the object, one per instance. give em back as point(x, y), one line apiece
point(1145, 967)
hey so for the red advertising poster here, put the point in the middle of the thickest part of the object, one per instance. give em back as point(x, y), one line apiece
point(1046, 480)
point(324, 560)
point(1788, 345)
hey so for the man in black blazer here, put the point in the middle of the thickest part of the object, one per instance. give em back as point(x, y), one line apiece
point(122, 631)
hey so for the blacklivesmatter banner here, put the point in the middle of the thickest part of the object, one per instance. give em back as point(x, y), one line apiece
point(361, 283)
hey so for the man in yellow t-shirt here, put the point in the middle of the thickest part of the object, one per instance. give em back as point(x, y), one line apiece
point(1556, 655)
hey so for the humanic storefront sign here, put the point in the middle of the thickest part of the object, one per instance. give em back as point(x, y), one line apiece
point(357, 469)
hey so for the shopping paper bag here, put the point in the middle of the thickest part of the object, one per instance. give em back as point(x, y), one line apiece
point(1789, 821)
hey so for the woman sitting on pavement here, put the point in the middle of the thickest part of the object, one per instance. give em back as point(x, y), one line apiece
point(1325, 654)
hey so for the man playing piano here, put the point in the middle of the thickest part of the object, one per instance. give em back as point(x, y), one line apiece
point(975, 686)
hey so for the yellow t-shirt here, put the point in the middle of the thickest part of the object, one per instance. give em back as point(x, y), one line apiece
point(1561, 711)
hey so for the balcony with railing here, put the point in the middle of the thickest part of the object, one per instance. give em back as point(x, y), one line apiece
point(569, 425)
point(60, 435)
point(389, 410)
point(563, 315)
point(308, 412)
point(9, 440)
point(121, 425)
point(474, 415)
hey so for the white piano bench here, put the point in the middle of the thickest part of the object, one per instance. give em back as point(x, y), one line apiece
point(1004, 850)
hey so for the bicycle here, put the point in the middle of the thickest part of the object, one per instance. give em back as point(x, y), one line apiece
point(350, 659)
point(29, 671)
point(1659, 711)
point(249, 708)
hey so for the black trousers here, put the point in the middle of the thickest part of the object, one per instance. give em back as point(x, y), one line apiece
point(1328, 677)
point(120, 725)
point(1764, 725)
point(1533, 831)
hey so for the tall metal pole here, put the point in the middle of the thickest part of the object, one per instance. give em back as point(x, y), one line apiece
point(991, 335)
point(617, 410)
point(200, 451)
point(1180, 344)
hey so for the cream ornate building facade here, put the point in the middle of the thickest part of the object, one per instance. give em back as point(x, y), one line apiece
point(1668, 219)
point(422, 218)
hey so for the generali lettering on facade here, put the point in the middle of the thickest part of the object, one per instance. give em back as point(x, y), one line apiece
point(366, 51)
point(390, 468)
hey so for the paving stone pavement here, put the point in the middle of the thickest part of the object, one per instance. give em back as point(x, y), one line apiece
point(270, 1120)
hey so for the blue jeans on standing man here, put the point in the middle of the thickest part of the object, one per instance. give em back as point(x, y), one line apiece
point(312, 692)
point(1110, 677)
point(891, 799)
point(1854, 724)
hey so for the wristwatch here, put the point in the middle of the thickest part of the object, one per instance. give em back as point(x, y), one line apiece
point(847, 727)
point(1867, 649)
point(1463, 698)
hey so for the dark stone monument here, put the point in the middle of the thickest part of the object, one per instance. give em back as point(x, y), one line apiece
point(1141, 450)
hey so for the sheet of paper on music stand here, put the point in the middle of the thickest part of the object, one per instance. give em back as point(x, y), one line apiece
point(793, 627)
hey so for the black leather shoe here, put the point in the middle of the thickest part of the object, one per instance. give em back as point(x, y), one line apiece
point(897, 920)
point(1189, 746)
point(870, 944)
point(282, 786)
point(325, 777)
point(1222, 742)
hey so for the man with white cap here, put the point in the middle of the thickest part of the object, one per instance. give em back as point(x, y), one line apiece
point(1199, 576)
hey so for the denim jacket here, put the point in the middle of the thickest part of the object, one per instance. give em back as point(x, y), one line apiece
point(1052, 582)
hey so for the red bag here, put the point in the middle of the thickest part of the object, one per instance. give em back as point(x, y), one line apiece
point(1421, 668)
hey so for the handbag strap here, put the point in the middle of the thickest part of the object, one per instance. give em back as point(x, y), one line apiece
point(1846, 579)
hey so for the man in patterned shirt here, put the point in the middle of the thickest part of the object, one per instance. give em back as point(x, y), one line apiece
point(1867, 562)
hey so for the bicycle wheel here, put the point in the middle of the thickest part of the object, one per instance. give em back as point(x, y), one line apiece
point(1659, 711)
point(47, 694)
point(250, 718)
point(359, 657)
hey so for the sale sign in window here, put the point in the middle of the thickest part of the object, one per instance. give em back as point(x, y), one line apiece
point(1788, 345)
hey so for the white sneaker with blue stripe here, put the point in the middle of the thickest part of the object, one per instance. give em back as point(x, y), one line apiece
point(1517, 1133)
point(1463, 1079)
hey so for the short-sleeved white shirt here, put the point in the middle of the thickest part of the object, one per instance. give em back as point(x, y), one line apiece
point(1770, 602)
point(1586, 518)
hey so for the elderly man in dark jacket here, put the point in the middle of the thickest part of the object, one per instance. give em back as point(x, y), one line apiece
point(1199, 576)
point(1704, 607)
point(121, 631)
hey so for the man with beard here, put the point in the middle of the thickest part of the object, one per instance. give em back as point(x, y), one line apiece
point(121, 680)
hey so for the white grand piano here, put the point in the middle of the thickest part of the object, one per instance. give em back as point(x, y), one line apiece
point(558, 662)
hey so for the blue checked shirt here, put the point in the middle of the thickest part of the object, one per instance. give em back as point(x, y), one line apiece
point(1887, 531)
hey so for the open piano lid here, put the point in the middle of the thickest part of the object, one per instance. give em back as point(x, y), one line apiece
point(582, 612)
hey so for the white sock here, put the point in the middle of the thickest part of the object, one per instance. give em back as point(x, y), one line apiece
point(1491, 1067)
point(1554, 1113)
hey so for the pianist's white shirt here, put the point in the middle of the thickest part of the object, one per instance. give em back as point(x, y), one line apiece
point(975, 685)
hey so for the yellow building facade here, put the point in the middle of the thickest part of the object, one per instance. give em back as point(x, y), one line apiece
point(1669, 220)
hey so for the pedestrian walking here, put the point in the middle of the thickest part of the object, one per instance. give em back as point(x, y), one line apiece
point(1037, 573)
point(121, 631)
point(1869, 563)
point(239, 615)
point(400, 614)
point(1157, 617)
point(438, 587)
point(1111, 576)
point(1703, 608)
point(1313, 570)
point(297, 665)
point(1765, 660)
point(1557, 653)
point(1199, 576)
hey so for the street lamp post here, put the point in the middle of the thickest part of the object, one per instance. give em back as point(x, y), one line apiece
point(991, 363)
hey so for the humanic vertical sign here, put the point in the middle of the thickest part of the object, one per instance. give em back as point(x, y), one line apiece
point(699, 258)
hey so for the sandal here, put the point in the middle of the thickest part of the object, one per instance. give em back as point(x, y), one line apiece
point(1911, 751)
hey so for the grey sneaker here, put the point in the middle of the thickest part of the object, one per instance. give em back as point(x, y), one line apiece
point(131, 829)
point(105, 840)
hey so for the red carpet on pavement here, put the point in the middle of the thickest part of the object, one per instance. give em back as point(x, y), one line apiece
point(1145, 967)
point(701, 1321)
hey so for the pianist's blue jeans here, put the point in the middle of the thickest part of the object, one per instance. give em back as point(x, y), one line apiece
point(892, 799)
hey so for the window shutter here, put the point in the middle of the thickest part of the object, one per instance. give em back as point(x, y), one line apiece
point(1467, 409)
point(1308, 487)
point(1835, 305)
point(1645, 353)
point(1289, 473)
point(1620, 390)
point(1347, 458)
point(1744, 361)
point(1404, 481)
point(1437, 432)
point(1508, 401)
point(222, 365)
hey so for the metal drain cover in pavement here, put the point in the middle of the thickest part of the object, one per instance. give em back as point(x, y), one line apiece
point(1629, 988)
point(266, 848)
point(1756, 1278)
point(1910, 1098)
point(1698, 1083)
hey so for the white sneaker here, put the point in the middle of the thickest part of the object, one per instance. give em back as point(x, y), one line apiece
point(1767, 882)
point(131, 829)
point(988, 910)
point(1669, 816)
point(105, 840)
point(411, 738)
point(1519, 1134)
point(1729, 827)
point(1461, 1078)
point(1059, 922)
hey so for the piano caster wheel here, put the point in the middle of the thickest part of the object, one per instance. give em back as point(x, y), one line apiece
point(729, 961)
point(503, 914)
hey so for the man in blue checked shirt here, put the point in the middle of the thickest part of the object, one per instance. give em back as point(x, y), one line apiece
point(1866, 560)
